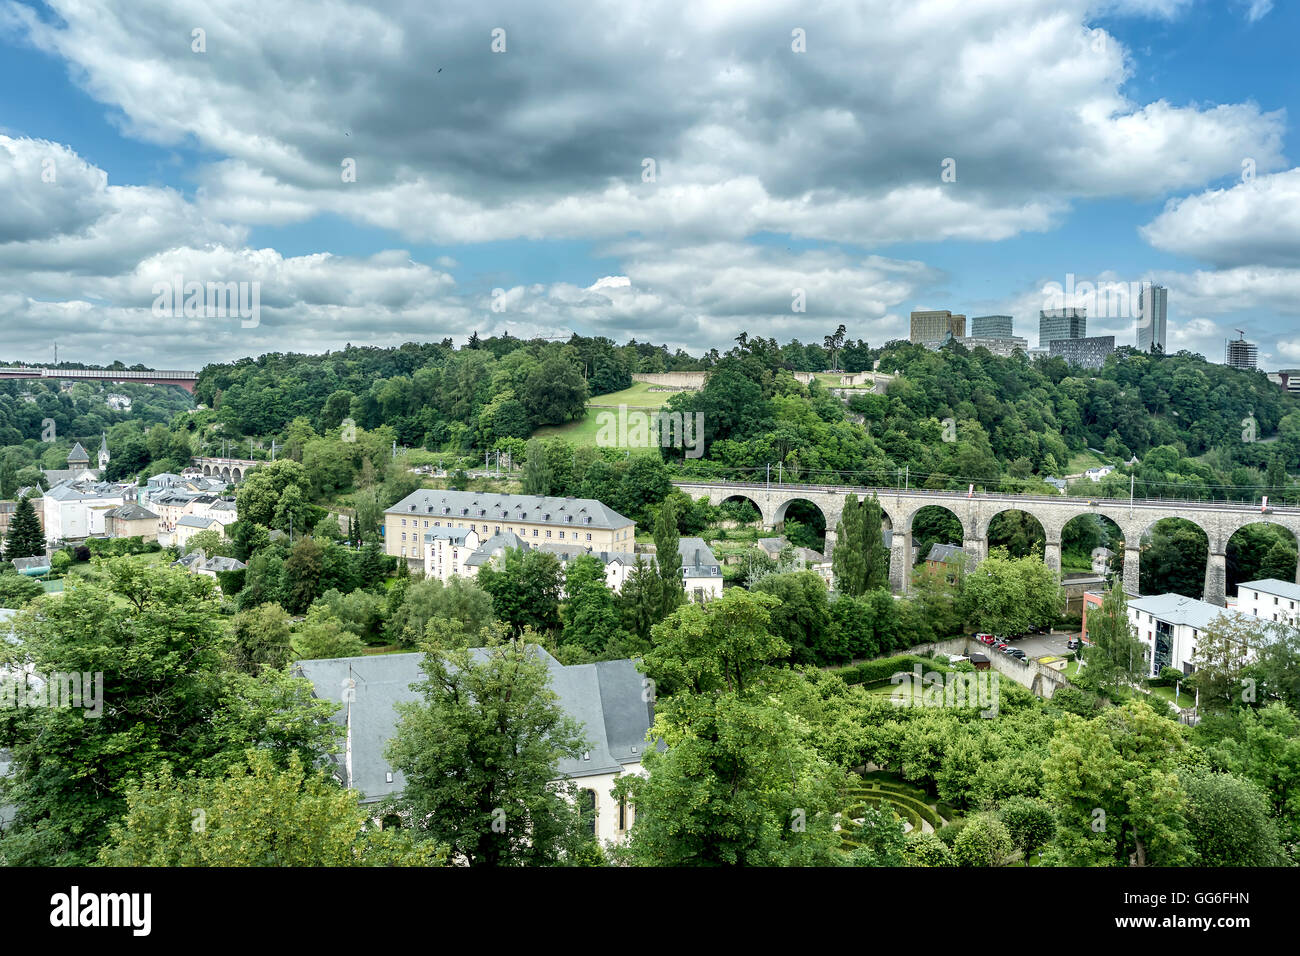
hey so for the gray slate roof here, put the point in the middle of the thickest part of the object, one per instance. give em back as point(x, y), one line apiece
point(945, 553)
point(697, 558)
point(78, 454)
point(605, 697)
point(78, 491)
point(481, 507)
point(131, 512)
point(221, 563)
point(194, 521)
point(1178, 609)
point(1283, 589)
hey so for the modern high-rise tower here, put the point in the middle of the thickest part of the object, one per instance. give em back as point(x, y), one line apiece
point(991, 327)
point(1152, 323)
point(932, 328)
point(1057, 324)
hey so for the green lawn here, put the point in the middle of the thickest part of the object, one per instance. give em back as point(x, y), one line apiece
point(1082, 461)
point(638, 396)
point(85, 569)
point(584, 430)
point(1185, 699)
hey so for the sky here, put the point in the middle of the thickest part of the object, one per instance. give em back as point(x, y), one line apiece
point(673, 172)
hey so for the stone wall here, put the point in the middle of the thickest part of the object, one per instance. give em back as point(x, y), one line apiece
point(683, 380)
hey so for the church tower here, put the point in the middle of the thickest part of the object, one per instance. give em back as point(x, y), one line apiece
point(103, 451)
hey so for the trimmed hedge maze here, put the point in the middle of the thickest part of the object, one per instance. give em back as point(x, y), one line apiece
point(908, 803)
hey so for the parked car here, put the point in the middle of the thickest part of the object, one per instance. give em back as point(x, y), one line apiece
point(1001, 645)
point(1072, 644)
point(1017, 653)
point(985, 638)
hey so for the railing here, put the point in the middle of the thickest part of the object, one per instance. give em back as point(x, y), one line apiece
point(882, 491)
point(98, 373)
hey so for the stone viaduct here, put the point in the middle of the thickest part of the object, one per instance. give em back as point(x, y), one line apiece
point(234, 470)
point(1217, 519)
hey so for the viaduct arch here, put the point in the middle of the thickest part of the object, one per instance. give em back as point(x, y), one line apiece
point(1218, 519)
point(233, 470)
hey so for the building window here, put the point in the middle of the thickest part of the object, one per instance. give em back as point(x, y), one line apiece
point(588, 535)
point(561, 535)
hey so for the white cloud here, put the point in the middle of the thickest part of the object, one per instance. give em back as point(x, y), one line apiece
point(1252, 222)
point(453, 143)
point(1258, 9)
point(1289, 348)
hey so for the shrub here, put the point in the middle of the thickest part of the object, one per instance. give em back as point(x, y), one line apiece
point(984, 841)
point(1031, 823)
point(1168, 677)
point(953, 830)
point(927, 849)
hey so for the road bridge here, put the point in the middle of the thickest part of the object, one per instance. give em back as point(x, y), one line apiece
point(180, 378)
point(1218, 519)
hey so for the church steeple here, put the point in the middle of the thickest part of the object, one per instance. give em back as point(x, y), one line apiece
point(103, 450)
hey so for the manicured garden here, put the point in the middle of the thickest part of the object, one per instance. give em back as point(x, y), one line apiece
point(911, 804)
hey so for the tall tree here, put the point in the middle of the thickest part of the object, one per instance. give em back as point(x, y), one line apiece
point(1114, 783)
point(1222, 650)
point(1117, 658)
point(537, 476)
point(154, 635)
point(741, 782)
point(480, 753)
point(591, 618)
point(525, 588)
point(848, 563)
point(668, 560)
point(864, 564)
point(25, 540)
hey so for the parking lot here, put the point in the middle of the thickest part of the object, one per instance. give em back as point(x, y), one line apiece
point(1044, 645)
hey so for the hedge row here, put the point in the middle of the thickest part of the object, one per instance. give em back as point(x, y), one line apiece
point(869, 672)
point(902, 809)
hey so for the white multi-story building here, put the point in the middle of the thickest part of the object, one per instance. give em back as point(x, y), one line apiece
point(1170, 625)
point(1271, 600)
point(460, 551)
point(75, 510)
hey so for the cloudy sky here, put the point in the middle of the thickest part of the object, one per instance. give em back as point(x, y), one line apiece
point(671, 171)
